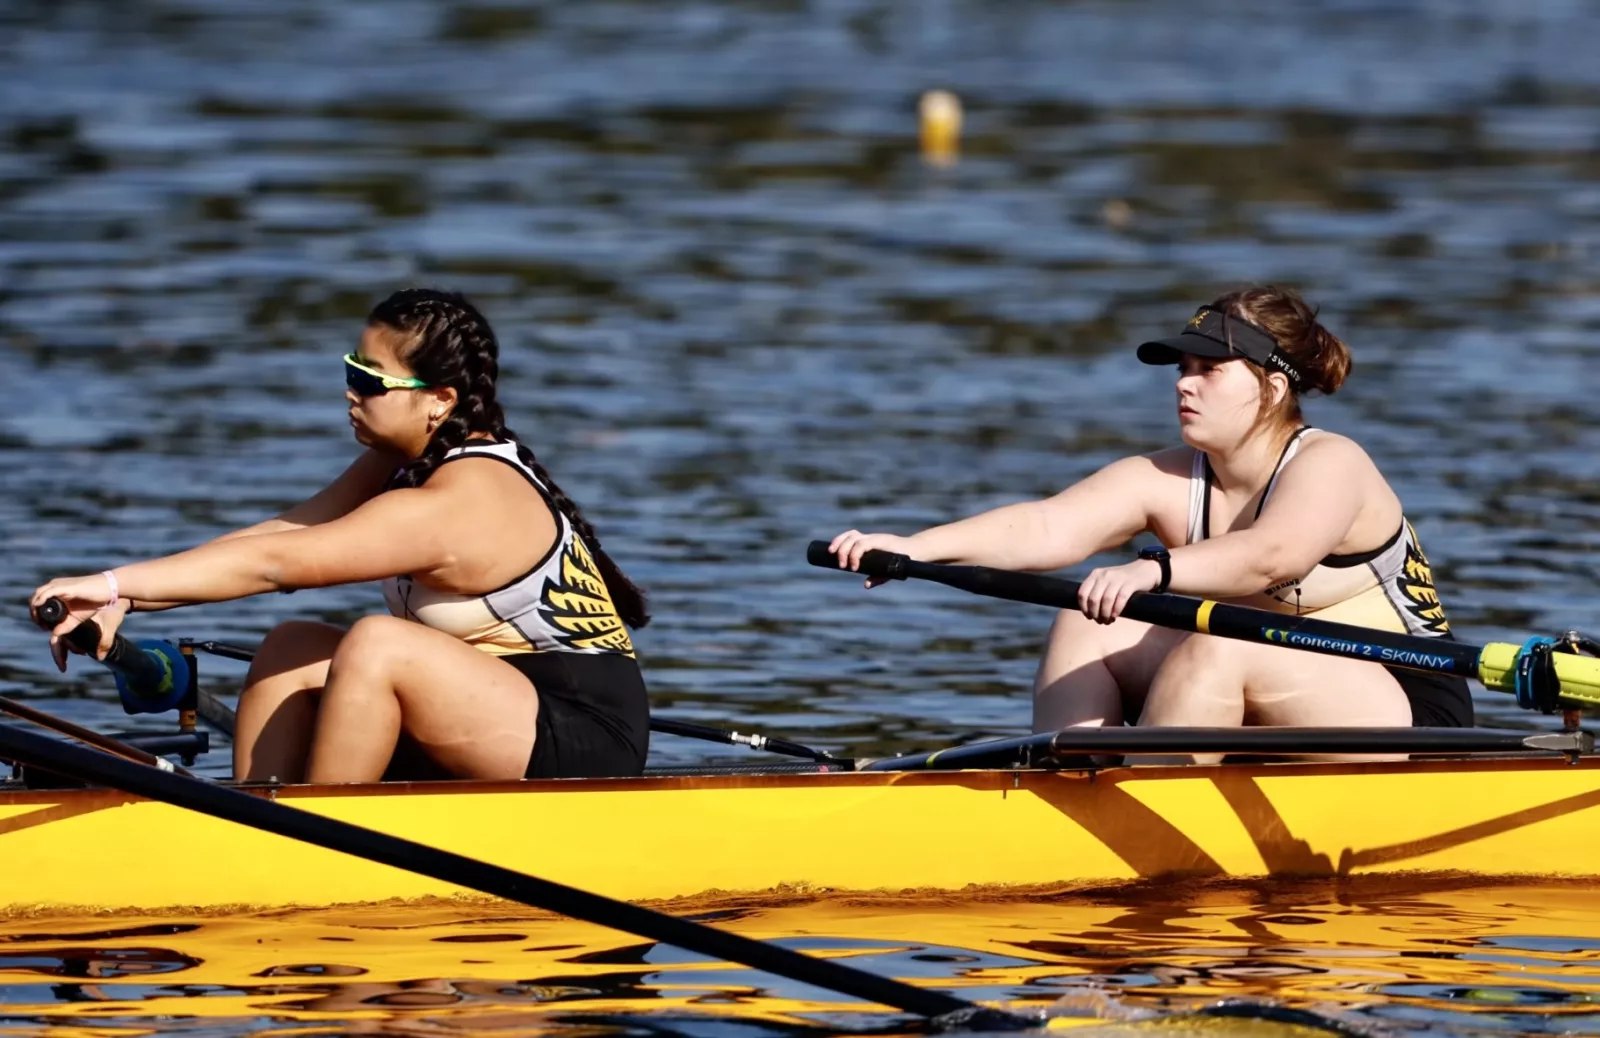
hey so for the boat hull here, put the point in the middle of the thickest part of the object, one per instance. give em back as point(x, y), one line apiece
point(665, 837)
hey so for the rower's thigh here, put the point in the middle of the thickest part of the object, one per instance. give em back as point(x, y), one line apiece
point(1293, 687)
point(295, 652)
point(472, 713)
point(1135, 661)
point(1082, 656)
point(278, 703)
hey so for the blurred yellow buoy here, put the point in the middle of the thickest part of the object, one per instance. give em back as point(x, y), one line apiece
point(940, 112)
point(1116, 213)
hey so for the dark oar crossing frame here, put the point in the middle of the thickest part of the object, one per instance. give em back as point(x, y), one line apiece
point(1540, 677)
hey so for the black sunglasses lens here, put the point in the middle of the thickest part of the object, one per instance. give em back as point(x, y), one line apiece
point(363, 384)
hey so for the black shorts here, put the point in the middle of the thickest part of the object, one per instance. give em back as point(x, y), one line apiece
point(594, 714)
point(594, 720)
point(1437, 700)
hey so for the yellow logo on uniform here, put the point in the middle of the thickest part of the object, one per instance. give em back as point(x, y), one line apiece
point(580, 605)
point(1194, 322)
point(1416, 584)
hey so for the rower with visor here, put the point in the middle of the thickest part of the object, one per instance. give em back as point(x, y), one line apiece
point(1254, 507)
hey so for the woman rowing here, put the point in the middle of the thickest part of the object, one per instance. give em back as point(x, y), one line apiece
point(1256, 507)
point(506, 653)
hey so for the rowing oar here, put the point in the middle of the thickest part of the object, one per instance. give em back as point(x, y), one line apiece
point(754, 740)
point(124, 658)
point(86, 735)
point(1531, 672)
point(269, 815)
point(1052, 748)
point(131, 662)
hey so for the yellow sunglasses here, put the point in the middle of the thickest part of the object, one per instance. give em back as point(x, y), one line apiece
point(364, 381)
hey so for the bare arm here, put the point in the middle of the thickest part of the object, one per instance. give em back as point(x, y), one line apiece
point(1312, 509)
point(1094, 514)
point(401, 531)
point(361, 480)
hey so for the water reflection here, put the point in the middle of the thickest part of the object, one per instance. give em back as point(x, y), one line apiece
point(1373, 955)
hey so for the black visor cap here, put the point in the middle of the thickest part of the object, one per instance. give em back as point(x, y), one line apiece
point(1214, 333)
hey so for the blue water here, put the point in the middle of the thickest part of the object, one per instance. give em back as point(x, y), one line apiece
point(741, 313)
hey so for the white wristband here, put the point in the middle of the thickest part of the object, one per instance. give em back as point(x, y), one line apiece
point(111, 582)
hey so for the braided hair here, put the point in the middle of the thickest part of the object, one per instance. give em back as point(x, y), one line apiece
point(451, 344)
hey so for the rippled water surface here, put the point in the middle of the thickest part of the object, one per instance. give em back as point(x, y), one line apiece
point(1386, 962)
point(739, 312)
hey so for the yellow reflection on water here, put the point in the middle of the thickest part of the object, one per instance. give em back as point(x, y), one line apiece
point(1501, 960)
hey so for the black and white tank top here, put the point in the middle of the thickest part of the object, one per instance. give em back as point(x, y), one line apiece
point(1388, 588)
point(560, 605)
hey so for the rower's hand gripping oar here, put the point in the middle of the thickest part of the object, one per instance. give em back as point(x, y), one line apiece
point(152, 675)
point(1536, 672)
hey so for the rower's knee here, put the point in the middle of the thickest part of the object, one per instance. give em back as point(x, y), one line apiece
point(372, 644)
point(1229, 669)
point(1072, 685)
point(1204, 682)
point(1075, 638)
point(1209, 651)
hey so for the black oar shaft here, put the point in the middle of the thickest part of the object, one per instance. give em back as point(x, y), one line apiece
point(85, 735)
point(233, 652)
point(271, 816)
point(1023, 751)
point(755, 741)
point(1047, 748)
point(216, 713)
point(1432, 655)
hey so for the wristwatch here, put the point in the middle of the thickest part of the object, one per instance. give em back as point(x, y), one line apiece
point(1164, 557)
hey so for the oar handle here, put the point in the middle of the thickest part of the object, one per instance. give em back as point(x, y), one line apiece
point(875, 563)
point(1180, 612)
point(139, 668)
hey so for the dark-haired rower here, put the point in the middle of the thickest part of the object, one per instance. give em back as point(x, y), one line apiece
point(507, 652)
point(1256, 507)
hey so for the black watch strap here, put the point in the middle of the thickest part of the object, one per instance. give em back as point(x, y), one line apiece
point(1164, 559)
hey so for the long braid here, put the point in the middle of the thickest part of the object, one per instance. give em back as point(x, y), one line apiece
point(453, 345)
point(441, 356)
point(630, 600)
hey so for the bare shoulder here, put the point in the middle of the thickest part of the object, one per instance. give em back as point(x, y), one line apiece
point(1329, 449)
point(477, 473)
point(1143, 470)
point(1172, 461)
point(488, 486)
